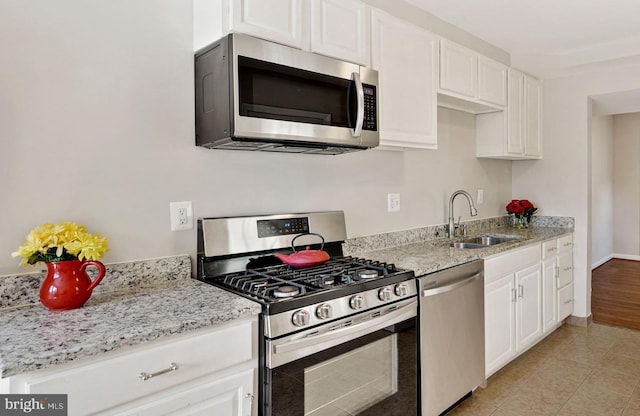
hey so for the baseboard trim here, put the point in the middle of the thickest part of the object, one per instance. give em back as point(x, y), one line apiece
point(601, 262)
point(582, 321)
point(625, 256)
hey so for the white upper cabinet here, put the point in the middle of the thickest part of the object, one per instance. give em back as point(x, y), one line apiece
point(458, 69)
point(532, 117)
point(276, 20)
point(516, 133)
point(406, 58)
point(340, 29)
point(515, 114)
point(469, 81)
point(336, 28)
point(492, 81)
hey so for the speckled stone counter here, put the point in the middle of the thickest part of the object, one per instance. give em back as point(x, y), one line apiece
point(33, 337)
point(432, 255)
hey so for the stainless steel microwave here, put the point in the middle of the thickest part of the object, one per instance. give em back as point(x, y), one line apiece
point(251, 94)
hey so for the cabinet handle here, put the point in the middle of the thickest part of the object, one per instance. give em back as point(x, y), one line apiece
point(146, 376)
point(568, 301)
point(520, 291)
point(514, 294)
point(250, 397)
point(568, 244)
point(552, 249)
point(566, 269)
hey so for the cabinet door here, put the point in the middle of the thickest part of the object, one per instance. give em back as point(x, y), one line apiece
point(515, 143)
point(528, 306)
point(275, 20)
point(565, 302)
point(458, 69)
point(340, 29)
point(549, 294)
point(232, 395)
point(406, 58)
point(492, 81)
point(532, 117)
point(499, 326)
point(565, 268)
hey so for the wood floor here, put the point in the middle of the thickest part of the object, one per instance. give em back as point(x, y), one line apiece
point(615, 294)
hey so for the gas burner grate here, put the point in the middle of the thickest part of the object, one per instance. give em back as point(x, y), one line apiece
point(263, 282)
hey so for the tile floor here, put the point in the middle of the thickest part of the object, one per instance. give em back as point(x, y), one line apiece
point(575, 371)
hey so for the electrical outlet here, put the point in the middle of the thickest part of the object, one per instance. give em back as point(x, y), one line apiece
point(480, 198)
point(181, 215)
point(393, 202)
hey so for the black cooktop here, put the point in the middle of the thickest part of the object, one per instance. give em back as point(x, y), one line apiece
point(281, 287)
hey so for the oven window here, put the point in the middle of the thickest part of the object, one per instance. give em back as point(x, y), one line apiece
point(372, 375)
point(272, 91)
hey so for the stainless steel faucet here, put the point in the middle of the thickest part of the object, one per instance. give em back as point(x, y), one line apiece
point(451, 231)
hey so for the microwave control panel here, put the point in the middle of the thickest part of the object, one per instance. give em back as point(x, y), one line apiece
point(370, 110)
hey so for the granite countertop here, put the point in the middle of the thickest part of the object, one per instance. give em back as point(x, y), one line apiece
point(33, 337)
point(147, 300)
point(433, 255)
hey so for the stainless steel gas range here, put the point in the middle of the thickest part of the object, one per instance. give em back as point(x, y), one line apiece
point(338, 338)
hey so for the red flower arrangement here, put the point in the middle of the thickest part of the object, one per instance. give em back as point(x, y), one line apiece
point(522, 208)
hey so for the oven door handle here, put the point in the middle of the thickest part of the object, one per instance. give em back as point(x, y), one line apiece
point(301, 347)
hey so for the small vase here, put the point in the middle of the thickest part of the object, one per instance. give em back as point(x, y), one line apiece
point(67, 284)
point(520, 222)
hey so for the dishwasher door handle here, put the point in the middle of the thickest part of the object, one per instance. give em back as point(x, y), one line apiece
point(452, 286)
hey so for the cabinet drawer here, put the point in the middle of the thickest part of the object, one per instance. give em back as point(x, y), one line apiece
point(549, 249)
point(565, 269)
point(565, 302)
point(565, 243)
point(116, 380)
point(501, 264)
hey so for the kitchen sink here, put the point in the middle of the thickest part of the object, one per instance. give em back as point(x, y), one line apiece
point(482, 241)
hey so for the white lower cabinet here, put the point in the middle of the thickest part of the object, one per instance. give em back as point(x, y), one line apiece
point(549, 294)
point(528, 306)
point(565, 276)
point(231, 395)
point(513, 305)
point(528, 293)
point(211, 371)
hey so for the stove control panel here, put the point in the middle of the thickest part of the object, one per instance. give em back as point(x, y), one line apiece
point(328, 311)
point(278, 227)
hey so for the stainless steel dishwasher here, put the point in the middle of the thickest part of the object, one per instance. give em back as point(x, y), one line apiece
point(451, 335)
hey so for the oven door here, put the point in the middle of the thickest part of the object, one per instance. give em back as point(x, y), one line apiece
point(363, 365)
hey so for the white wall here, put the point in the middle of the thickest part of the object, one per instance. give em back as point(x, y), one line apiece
point(626, 186)
point(602, 189)
point(561, 182)
point(96, 127)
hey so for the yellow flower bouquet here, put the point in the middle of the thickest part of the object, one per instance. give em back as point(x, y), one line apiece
point(60, 242)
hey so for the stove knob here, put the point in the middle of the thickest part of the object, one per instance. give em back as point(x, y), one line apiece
point(324, 311)
point(384, 294)
point(300, 318)
point(401, 290)
point(356, 302)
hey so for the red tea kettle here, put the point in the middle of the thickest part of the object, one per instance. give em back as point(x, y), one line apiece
point(304, 258)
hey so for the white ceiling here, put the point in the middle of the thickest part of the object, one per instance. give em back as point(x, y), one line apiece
point(550, 38)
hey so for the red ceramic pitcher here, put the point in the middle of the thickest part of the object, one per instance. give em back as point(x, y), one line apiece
point(67, 284)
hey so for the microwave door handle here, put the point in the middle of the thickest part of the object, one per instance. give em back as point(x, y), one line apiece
point(357, 131)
